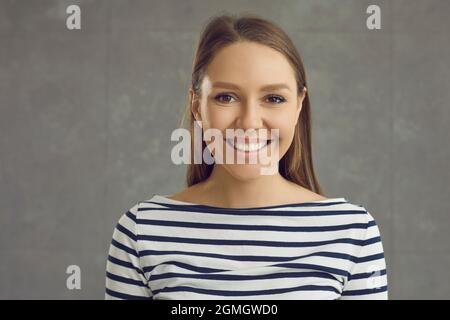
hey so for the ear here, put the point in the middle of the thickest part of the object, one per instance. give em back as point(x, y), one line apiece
point(300, 99)
point(195, 105)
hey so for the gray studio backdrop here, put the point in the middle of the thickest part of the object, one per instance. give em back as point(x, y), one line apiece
point(86, 117)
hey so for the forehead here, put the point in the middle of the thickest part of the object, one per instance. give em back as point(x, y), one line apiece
point(250, 64)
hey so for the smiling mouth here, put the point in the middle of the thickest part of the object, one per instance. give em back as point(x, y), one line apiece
point(249, 146)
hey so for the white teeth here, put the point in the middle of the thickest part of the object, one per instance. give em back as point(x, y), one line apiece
point(248, 147)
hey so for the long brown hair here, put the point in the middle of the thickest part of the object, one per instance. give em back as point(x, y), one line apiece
point(296, 165)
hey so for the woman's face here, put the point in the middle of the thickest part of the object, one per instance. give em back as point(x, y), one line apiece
point(235, 95)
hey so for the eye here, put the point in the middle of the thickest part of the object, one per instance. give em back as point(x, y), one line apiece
point(223, 98)
point(276, 99)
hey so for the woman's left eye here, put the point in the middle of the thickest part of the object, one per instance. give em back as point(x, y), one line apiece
point(276, 99)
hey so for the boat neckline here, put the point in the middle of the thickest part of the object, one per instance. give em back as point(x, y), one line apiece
point(163, 199)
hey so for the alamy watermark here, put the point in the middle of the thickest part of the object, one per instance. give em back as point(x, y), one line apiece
point(73, 281)
point(73, 21)
point(238, 146)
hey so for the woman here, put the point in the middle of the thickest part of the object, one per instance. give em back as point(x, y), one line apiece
point(236, 231)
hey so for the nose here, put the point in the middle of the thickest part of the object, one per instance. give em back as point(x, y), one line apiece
point(250, 116)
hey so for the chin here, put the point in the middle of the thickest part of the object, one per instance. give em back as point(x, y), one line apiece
point(244, 172)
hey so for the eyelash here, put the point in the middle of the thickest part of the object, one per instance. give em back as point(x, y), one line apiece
point(269, 96)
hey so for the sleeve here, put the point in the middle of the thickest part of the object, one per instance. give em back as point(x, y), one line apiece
point(367, 279)
point(125, 278)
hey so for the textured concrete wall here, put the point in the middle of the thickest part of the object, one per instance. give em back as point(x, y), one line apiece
point(86, 117)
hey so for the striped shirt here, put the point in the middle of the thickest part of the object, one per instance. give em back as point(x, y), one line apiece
point(169, 249)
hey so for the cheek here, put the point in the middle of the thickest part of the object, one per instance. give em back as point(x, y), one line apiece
point(218, 119)
point(286, 122)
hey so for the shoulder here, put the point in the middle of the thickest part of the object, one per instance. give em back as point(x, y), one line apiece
point(368, 221)
point(127, 220)
point(366, 214)
point(131, 213)
point(359, 222)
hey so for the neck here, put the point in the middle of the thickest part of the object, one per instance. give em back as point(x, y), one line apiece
point(232, 192)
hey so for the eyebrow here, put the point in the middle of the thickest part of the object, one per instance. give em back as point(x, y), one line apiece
point(269, 87)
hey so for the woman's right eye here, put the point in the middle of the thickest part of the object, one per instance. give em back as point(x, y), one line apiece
point(224, 98)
